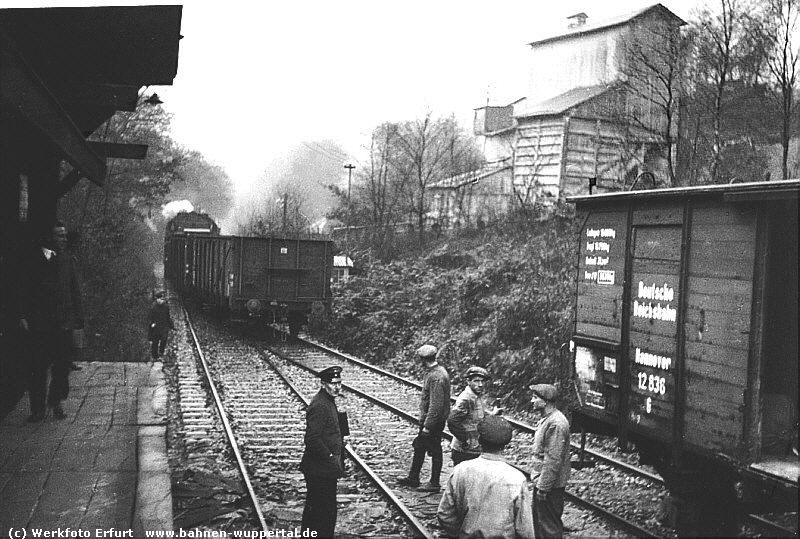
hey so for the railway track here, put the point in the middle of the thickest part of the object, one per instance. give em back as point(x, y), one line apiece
point(269, 438)
point(401, 395)
point(776, 524)
point(263, 406)
point(266, 391)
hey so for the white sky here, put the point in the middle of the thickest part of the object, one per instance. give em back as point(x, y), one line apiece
point(256, 78)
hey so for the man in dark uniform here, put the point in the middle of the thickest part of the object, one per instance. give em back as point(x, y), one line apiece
point(160, 324)
point(322, 464)
point(49, 309)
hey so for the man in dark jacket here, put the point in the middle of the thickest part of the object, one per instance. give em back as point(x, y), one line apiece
point(160, 324)
point(49, 309)
point(434, 407)
point(322, 463)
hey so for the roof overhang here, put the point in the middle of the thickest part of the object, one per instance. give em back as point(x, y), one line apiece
point(609, 24)
point(735, 192)
point(65, 71)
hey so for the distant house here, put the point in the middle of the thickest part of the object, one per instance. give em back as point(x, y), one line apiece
point(574, 125)
point(342, 266)
point(472, 198)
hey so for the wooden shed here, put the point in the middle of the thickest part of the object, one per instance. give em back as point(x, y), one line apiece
point(479, 196)
point(594, 108)
point(686, 321)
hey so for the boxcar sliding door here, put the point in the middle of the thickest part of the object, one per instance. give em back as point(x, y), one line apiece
point(654, 292)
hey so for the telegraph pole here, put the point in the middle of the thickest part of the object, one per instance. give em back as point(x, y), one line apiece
point(349, 168)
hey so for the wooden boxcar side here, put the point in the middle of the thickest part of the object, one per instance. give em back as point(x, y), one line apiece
point(722, 253)
point(674, 295)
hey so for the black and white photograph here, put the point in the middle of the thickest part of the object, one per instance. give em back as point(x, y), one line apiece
point(424, 269)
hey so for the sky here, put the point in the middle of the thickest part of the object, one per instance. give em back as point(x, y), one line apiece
point(258, 78)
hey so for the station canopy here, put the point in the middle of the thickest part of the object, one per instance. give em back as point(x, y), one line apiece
point(65, 71)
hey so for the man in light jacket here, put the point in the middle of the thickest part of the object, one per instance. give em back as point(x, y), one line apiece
point(550, 466)
point(486, 496)
point(467, 413)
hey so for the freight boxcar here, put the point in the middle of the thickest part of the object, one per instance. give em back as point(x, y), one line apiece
point(275, 279)
point(685, 338)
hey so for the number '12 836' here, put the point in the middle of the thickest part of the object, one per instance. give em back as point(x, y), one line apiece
point(652, 383)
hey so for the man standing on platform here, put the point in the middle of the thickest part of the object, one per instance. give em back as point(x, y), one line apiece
point(550, 466)
point(434, 407)
point(322, 463)
point(49, 309)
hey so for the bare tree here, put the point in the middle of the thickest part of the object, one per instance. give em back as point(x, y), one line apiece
point(430, 150)
point(781, 59)
point(653, 71)
point(380, 187)
point(293, 191)
point(718, 49)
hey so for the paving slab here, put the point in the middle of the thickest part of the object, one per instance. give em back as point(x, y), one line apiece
point(104, 467)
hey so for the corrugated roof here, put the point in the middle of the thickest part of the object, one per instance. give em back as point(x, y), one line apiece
point(563, 102)
point(608, 23)
point(342, 261)
point(454, 182)
point(780, 189)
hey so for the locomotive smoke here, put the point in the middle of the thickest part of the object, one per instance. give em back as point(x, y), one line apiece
point(171, 209)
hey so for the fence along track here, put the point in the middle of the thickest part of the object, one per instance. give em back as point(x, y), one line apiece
point(266, 409)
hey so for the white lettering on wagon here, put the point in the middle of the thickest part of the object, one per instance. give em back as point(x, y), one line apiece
point(656, 311)
point(664, 313)
point(597, 252)
point(652, 360)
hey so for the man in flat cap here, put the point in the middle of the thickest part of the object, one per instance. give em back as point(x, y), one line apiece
point(322, 464)
point(550, 465)
point(486, 496)
point(434, 407)
point(467, 412)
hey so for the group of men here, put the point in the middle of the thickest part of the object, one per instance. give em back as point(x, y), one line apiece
point(485, 496)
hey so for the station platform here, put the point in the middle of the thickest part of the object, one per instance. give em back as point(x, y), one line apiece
point(102, 471)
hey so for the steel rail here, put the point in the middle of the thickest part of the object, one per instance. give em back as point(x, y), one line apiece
point(774, 528)
point(627, 525)
point(618, 520)
point(418, 528)
point(227, 426)
point(525, 427)
point(516, 423)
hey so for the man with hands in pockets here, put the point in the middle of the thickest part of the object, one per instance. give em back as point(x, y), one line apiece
point(550, 464)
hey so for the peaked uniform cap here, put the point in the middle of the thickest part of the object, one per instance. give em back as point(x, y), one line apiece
point(330, 373)
point(427, 350)
point(546, 392)
point(475, 371)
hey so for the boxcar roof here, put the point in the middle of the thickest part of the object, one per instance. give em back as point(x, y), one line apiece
point(736, 192)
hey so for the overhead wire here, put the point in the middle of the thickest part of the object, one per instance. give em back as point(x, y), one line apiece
point(324, 153)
